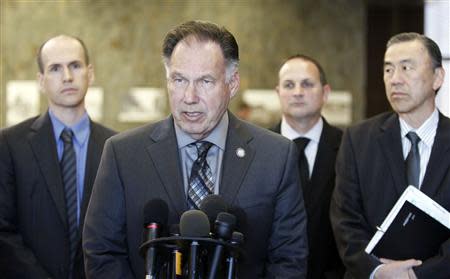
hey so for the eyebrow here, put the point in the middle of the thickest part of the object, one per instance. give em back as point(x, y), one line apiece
point(175, 74)
point(59, 63)
point(401, 61)
point(207, 76)
point(301, 80)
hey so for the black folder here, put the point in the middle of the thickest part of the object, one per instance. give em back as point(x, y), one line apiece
point(413, 233)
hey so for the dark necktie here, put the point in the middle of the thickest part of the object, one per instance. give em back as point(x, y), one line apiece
point(413, 160)
point(69, 175)
point(302, 161)
point(200, 181)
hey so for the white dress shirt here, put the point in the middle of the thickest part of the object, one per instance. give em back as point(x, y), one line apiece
point(313, 135)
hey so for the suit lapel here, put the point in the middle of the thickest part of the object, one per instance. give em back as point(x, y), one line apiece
point(43, 145)
point(276, 128)
point(323, 165)
point(391, 146)
point(164, 153)
point(235, 167)
point(94, 152)
point(439, 158)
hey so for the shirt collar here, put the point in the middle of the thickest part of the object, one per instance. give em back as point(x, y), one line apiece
point(217, 136)
point(80, 129)
point(426, 131)
point(313, 134)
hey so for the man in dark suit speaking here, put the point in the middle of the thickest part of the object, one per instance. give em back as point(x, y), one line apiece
point(303, 90)
point(373, 162)
point(47, 168)
point(249, 167)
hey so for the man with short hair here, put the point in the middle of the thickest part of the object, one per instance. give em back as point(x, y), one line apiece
point(373, 165)
point(200, 149)
point(47, 168)
point(303, 91)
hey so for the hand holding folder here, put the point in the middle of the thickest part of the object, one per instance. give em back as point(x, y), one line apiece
point(415, 228)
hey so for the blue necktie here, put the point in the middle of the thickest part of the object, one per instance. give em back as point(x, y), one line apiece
point(413, 160)
point(69, 174)
point(200, 181)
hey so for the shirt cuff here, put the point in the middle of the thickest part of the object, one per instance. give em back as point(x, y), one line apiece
point(372, 275)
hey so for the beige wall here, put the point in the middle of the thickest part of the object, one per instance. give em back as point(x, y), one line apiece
point(124, 39)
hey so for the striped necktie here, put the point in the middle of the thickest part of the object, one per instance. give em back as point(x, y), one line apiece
point(69, 174)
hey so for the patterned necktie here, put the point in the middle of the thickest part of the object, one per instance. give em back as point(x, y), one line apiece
point(302, 161)
point(69, 175)
point(413, 160)
point(200, 181)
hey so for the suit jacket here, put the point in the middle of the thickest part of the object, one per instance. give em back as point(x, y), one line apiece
point(323, 259)
point(33, 225)
point(370, 177)
point(144, 164)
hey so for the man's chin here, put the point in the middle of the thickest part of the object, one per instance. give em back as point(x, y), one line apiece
point(196, 131)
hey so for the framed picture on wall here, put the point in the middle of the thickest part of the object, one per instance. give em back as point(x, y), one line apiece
point(94, 103)
point(143, 104)
point(22, 100)
point(263, 106)
point(338, 109)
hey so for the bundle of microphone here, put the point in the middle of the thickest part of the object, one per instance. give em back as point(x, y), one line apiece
point(204, 245)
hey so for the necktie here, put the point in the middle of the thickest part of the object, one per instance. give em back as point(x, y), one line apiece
point(302, 161)
point(69, 175)
point(413, 160)
point(200, 181)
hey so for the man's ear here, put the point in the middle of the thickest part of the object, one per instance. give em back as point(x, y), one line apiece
point(40, 81)
point(233, 85)
point(91, 74)
point(326, 92)
point(439, 74)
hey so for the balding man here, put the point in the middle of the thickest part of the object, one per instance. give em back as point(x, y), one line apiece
point(303, 91)
point(47, 167)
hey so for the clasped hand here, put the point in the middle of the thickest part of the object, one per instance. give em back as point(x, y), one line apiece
point(397, 269)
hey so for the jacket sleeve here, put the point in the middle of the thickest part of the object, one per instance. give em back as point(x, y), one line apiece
point(16, 259)
point(104, 235)
point(288, 245)
point(351, 228)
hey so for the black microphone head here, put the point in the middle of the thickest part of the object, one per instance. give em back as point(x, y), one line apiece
point(194, 223)
point(174, 230)
point(241, 219)
point(237, 238)
point(156, 211)
point(212, 205)
point(224, 225)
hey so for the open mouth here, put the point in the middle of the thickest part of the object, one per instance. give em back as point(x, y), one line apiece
point(192, 115)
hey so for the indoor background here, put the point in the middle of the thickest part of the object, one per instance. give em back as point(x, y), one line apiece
point(124, 39)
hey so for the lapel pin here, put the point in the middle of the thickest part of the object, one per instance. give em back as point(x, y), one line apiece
point(240, 152)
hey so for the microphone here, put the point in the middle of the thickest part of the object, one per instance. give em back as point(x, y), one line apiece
point(194, 223)
point(212, 205)
point(224, 227)
point(176, 270)
point(156, 212)
point(241, 218)
point(236, 240)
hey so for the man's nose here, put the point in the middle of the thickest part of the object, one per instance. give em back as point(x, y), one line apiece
point(191, 95)
point(396, 77)
point(298, 90)
point(67, 74)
